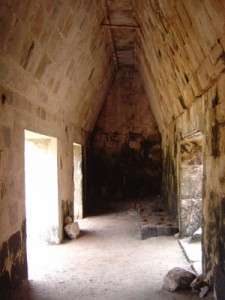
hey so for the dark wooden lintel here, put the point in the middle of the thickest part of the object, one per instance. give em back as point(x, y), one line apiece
point(117, 26)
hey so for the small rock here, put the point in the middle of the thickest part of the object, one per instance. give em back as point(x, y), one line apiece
point(197, 234)
point(132, 212)
point(177, 235)
point(68, 220)
point(178, 279)
point(201, 286)
point(72, 230)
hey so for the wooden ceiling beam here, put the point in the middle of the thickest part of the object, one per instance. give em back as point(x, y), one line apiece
point(117, 26)
point(112, 42)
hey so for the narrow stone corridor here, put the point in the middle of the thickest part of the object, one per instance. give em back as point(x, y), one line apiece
point(132, 92)
point(107, 261)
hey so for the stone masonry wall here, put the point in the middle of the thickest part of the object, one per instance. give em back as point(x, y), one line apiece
point(180, 51)
point(13, 264)
point(53, 57)
point(125, 151)
point(207, 115)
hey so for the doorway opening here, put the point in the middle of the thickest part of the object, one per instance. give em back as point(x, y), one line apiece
point(78, 181)
point(41, 188)
point(190, 204)
point(191, 184)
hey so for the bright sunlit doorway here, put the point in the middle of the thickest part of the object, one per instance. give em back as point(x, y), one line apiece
point(41, 186)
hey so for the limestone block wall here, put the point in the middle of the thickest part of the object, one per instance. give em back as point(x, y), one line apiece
point(180, 52)
point(56, 66)
point(124, 156)
point(209, 119)
point(13, 264)
point(55, 55)
point(53, 58)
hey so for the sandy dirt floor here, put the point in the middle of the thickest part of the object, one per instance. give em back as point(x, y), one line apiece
point(108, 261)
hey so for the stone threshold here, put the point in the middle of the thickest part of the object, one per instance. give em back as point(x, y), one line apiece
point(154, 220)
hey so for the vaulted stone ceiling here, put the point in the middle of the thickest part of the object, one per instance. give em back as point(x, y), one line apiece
point(121, 22)
point(180, 52)
point(62, 55)
point(176, 46)
point(58, 60)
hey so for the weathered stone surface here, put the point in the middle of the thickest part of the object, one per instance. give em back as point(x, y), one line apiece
point(164, 57)
point(5, 141)
point(5, 284)
point(68, 220)
point(191, 182)
point(190, 215)
point(14, 244)
point(23, 30)
point(13, 264)
point(3, 255)
point(178, 279)
point(124, 153)
point(72, 230)
point(154, 219)
point(146, 231)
